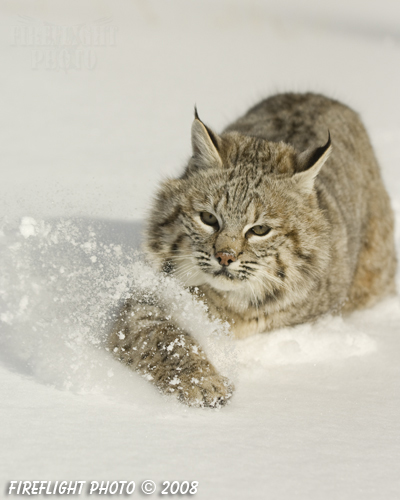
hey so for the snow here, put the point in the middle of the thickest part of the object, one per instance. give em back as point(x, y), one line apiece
point(316, 409)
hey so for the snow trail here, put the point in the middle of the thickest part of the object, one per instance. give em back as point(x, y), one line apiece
point(62, 282)
point(60, 288)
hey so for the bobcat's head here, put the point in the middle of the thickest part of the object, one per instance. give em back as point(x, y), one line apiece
point(243, 218)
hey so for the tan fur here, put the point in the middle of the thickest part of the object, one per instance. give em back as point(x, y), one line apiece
point(329, 248)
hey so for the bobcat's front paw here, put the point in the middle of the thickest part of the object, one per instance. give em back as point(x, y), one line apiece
point(211, 391)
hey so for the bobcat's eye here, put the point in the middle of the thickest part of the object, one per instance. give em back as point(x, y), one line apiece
point(208, 219)
point(259, 230)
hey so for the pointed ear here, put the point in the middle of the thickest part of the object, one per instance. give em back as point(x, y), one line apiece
point(205, 144)
point(310, 163)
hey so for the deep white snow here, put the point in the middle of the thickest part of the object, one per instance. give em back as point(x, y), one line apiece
point(316, 410)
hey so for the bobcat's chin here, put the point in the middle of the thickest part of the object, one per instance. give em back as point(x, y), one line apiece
point(218, 281)
point(223, 282)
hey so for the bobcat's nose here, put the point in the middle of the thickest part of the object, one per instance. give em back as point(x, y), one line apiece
point(225, 258)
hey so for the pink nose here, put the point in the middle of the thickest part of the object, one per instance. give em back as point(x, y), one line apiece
point(225, 258)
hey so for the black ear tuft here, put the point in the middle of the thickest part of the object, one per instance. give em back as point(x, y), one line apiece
point(205, 143)
point(210, 133)
point(309, 164)
point(310, 157)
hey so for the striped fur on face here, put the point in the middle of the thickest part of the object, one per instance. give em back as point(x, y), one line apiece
point(266, 240)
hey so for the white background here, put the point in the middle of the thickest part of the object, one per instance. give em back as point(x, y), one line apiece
point(316, 409)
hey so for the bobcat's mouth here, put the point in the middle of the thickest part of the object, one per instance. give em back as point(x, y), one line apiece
point(224, 272)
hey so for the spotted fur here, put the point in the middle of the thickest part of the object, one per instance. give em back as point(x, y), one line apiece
point(330, 245)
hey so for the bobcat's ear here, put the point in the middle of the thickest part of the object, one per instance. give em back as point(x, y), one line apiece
point(310, 163)
point(205, 144)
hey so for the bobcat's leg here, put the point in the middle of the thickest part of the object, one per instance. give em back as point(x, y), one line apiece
point(146, 340)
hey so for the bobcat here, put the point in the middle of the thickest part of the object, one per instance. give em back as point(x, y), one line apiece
point(274, 224)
